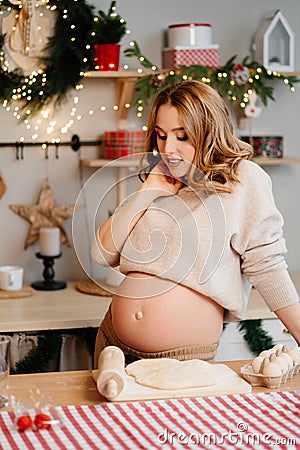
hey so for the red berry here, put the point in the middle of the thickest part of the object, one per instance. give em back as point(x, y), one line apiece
point(24, 422)
point(42, 421)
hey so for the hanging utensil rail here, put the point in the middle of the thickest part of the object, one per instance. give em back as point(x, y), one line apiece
point(75, 144)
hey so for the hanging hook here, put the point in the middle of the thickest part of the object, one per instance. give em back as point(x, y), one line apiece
point(22, 149)
point(56, 150)
point(45, 147)
point(17, 151)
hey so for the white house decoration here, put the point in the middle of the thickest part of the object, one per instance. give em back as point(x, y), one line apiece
point(274, 44)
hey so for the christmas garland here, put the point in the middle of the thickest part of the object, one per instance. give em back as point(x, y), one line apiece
point(255, 336)
point(234, 81)
point(67, 55)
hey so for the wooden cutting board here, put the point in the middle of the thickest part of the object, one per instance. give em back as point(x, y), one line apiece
point(229, 382)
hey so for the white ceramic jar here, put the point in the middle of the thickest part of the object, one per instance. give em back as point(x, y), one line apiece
point(197, 35)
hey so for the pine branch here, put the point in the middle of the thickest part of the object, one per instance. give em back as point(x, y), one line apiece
point(255, 336)
point(38, 358)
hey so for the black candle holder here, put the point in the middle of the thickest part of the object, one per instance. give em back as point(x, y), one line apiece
point(49, 284)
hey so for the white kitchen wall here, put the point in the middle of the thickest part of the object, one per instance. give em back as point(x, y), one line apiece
point(234, 23)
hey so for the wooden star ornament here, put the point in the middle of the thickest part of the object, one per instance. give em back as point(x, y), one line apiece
point(2, 186)
point(46, 213)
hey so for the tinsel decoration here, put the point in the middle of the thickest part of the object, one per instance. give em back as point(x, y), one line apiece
point(255, 336)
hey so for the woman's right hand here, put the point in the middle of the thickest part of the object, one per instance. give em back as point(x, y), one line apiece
point(161, 179)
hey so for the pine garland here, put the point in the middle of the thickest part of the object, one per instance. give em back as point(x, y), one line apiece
point(232, 80)
point(37, 360)
point(255, 336)
point(48, 348)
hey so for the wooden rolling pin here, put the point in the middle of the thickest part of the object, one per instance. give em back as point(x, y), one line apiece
point(111, 366)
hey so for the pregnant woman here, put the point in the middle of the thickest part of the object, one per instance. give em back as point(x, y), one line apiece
point(200, 230)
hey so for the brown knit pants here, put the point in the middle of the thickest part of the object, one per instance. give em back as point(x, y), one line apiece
point(106, 336)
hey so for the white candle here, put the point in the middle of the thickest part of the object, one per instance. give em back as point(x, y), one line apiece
point(49, 241)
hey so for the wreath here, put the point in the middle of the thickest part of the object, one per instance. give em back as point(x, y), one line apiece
point(67, 55)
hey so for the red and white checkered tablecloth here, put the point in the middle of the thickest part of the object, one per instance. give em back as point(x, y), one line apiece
point(252, 421)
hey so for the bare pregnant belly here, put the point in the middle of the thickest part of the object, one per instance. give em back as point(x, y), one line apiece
point(151, 314)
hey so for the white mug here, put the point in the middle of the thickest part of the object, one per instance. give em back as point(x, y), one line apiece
point(11, 278)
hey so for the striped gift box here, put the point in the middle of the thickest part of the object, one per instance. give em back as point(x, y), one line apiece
point(123, 143)
point(245, 421)
point(187, 56)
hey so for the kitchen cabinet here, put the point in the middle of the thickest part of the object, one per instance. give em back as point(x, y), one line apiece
point(234, 347)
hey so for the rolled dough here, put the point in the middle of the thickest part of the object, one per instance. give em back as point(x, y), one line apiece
point(167, 373)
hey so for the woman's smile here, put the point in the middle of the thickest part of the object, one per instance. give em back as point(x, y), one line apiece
point(175, 147)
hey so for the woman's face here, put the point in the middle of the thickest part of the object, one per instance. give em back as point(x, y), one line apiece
point(176, 150)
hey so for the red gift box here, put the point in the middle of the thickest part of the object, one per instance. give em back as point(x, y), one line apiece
point(271, 146)
point(123, 143)
point(187, 56)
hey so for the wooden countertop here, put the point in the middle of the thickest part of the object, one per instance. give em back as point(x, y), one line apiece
point(78, 387)
point(52, 310)
point(69, 308)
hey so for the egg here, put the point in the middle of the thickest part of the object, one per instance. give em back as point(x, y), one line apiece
point(297, 350)
point(281, 362)
point(272, 370)
point(294, 356)
point(277, 347)
point(256, 364)
point(287, 358)
point(265, 353)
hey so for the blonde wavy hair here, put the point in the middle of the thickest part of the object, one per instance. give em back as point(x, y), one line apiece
point(207, 123)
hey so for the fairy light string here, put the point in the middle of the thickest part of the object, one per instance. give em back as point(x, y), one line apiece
point(234, 81)
point(31, 98)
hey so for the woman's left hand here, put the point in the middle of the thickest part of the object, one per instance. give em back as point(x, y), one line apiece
point(161, 178)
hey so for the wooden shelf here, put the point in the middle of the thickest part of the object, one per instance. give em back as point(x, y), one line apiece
point(114, 74)
point(97, 163)
point(135, 74)
point(266, 161)
point(125, 81)
point(261, 160)
point(123, 165)
point(290, 74)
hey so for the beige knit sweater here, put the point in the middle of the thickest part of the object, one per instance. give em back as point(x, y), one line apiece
point(217, 245)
